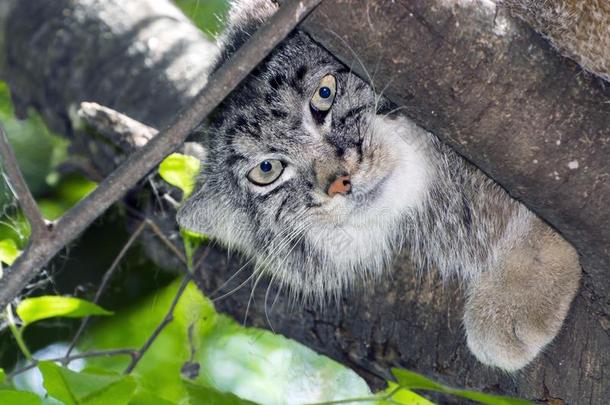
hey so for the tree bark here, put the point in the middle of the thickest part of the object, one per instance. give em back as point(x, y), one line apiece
point(144, 59)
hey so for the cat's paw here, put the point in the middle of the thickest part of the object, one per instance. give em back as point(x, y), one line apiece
point(507, 337)
point(515, 310)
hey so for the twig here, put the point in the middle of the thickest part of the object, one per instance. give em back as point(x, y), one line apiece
point(93, 353)
point(137, 165)
point(119, 129)
point(169, 317)
point(102, 288)
point(17, 332)
point(20, 189)
point(373, 398)
point(159, 233)
point(156, 229)
point(110, 273)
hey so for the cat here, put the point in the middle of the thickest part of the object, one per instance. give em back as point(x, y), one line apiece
point(321, 181)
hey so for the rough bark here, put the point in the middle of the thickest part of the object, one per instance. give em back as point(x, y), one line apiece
point(147, 61)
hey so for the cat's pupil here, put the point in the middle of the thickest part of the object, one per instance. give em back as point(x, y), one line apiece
point(266, 166)
point(324, 92)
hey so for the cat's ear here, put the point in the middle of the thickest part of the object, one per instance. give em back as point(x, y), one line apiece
point(244, 18)
point(199, 213)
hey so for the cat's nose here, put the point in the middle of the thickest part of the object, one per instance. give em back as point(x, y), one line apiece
point(342, 185)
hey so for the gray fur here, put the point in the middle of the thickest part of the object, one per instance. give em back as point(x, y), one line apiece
point(408, 190)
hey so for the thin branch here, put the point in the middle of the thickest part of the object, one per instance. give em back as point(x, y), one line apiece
point(110, 272)
point(20, 189)
point(84, 355)
point(119, 129)
point(102, 288)
point(137, 165)
point(168, 318)
point(159, 233)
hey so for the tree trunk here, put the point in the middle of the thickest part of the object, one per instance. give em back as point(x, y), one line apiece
point(456, 73)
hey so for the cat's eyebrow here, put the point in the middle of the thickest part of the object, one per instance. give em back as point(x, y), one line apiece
point(234, 158)
point(354, 111)
point(344, 70)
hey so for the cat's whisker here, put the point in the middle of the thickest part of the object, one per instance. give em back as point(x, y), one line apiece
point(287, 230)
point(394, 110)
point(285, 242)
point(271, 280)
point(297, 234)
point(358, 59)
point(234, 290)
point(260, 275)
point(287, 234)
point(278, 269)
point(256, 269)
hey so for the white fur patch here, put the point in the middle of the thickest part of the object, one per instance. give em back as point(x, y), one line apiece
point(363, 237)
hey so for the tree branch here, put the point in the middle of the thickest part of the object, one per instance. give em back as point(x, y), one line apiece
point(168, 318)
point(102, 287)
point(84, 355)
point(117, 128)
point(20, 189)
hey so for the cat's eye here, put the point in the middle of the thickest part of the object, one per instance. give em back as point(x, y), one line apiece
point(324, 96)
point(266, 172)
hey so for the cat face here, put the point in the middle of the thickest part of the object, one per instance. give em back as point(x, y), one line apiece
point(305, 175)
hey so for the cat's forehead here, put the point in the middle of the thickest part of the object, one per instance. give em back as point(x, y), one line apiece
point(269, 111)
point(287, 74)
point(298, 56)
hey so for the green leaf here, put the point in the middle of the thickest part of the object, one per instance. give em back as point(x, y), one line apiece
point(35, 309)
point(180, 171)
point(148, 398)
point(410, 380)
point(19, 397)
point(490, 399)
point(207, 15)
point(253, 364)
point(403, 396)
point(8, 251)
point(192, 241)
point(2, 375)
point(199, 394)
point(86, 388)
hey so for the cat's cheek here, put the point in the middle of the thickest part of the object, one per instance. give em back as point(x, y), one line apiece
point(199, 214)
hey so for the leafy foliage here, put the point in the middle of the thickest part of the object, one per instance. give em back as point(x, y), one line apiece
point(65, 194)
point(410, 380)
point(86, 388)
point(206, 14)
point(19, 397)
point(38, 151)
point(180, 171)
point(200, 394)
point(8, 251)
point(35, 309)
